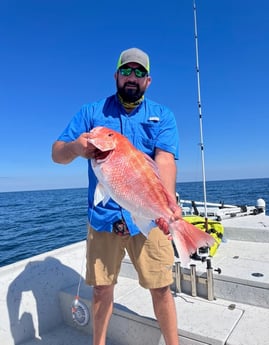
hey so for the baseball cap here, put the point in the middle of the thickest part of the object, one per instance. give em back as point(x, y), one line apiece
point(134, 55)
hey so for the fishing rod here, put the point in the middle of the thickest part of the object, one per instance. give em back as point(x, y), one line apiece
point(200, 108)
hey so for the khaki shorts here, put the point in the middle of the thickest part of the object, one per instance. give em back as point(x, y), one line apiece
point(152, 257)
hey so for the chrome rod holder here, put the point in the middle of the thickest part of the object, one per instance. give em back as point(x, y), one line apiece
point(210, 281)
point(178, 277)
point(193, 280)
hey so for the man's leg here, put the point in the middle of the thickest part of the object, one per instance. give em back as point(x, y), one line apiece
point(165, 311)
point(102, 307)
point(105, 252)
point(153, 258)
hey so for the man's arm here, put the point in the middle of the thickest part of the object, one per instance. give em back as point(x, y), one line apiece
point(167, 170)
point(65, 153)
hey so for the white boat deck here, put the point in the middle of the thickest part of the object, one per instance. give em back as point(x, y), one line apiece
point(36, 296)
point(241, 228)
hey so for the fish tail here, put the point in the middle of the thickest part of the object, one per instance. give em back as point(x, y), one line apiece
point(187, 239)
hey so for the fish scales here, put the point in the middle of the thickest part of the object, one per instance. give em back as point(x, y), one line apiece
point(130, 178)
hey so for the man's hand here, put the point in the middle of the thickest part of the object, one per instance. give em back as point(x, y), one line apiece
point(83, 148)
point(162, 223)
point(64, 153)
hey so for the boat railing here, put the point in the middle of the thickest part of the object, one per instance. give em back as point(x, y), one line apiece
point(220, 211)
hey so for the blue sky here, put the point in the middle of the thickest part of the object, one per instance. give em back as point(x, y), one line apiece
point(59, 54)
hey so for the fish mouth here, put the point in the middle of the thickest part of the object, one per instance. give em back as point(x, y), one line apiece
point(102, 156)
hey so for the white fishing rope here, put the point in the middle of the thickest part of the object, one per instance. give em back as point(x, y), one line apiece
point(79, 310)
point(84, 258)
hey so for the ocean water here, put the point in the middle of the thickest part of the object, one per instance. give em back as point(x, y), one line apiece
point(34, 222)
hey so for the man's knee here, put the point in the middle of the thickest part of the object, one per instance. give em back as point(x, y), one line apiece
point(160, 292)
point(103, 291)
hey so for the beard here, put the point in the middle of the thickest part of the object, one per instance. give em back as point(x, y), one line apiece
point(130, 95)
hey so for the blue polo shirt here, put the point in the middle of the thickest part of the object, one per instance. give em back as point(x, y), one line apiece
point(148, 127)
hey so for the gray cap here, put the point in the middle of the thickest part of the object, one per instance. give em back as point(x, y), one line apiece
point(134, 55)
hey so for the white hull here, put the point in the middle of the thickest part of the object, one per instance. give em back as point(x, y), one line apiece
point(37, 293)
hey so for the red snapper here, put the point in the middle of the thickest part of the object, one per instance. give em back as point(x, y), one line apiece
point(131, 179)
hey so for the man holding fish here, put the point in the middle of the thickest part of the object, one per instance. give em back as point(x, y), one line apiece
point(126, 218)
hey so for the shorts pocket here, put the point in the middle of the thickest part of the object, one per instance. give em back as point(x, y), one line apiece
point(166, 253)
point(159, 255)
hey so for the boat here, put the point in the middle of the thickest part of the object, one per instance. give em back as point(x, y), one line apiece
point(222, 299)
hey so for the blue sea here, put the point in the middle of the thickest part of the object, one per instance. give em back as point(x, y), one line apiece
point(34, 222)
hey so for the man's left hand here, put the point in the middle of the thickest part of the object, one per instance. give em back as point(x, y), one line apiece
point(162, 223)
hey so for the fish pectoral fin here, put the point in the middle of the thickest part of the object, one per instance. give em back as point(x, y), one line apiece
point(144, 225)
point(100, 194)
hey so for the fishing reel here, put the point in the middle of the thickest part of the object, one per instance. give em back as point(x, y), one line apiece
point(80, 312)
point(201, 253)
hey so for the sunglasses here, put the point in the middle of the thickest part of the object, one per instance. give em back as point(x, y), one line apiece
point(128, 70)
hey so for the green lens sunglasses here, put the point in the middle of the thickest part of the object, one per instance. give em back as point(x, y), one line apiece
point(128, 70)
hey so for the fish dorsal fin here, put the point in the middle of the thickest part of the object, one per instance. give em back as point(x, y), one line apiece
point(100, 194)
point(170, 199)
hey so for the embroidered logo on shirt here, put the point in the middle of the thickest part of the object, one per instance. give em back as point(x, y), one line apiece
point(154, 118)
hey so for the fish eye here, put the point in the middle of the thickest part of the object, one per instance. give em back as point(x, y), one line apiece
point(110, 134)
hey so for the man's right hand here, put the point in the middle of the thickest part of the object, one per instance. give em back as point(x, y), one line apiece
point(83, 148)
point(64, 153)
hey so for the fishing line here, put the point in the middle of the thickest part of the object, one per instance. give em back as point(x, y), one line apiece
point(80, 311)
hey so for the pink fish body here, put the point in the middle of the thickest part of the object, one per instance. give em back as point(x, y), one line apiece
point(130, 178)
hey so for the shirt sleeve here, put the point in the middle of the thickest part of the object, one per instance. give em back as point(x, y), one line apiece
point(168, 138)
point(79, 124)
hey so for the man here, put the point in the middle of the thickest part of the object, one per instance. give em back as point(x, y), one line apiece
point(151, 127)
